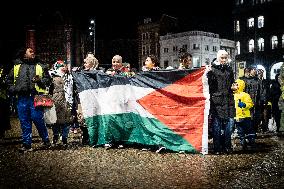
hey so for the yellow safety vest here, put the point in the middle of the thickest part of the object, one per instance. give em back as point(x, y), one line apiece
point(39, 72)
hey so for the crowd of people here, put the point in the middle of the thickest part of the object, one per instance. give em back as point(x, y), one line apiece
point(243, 104)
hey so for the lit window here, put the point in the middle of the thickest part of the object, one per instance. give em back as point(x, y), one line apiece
point(260, 21)
point(260, 43)
point(251, 45)
point(251, 22)
point(237, 26)
point(283, 41)
point(196, 61)
point(238, 46)
point(274, 42)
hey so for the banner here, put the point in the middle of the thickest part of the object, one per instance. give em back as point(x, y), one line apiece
point(159, 108)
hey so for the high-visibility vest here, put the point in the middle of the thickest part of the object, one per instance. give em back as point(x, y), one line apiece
point(39, 72)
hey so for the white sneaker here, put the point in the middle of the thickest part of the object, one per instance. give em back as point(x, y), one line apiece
point(120, 146)
point(145, 149)
point(107, 146)
point(160, 149)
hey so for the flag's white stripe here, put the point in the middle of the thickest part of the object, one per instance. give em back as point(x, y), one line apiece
point(206, 94)
point(114, 100)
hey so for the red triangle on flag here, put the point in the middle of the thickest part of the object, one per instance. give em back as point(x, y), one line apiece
point(180, 106)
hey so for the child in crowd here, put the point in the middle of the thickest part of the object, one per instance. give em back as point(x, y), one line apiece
point(243, 104)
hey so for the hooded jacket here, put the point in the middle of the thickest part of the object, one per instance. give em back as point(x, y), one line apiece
point(240, 95)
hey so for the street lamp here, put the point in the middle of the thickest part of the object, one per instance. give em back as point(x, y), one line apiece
point(92, 29)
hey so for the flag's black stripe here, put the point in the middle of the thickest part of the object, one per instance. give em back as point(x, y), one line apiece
point(151, 79)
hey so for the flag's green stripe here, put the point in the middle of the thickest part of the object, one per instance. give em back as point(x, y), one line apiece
point(131, 128)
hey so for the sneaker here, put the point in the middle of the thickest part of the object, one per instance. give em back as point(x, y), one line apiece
point(120, 146)
point(85, 141)
point(145, 149)
point(46, 144)
point(55, 140)
point(107, 146)
point(160, 149)
point(25, 149)
point(64, 141)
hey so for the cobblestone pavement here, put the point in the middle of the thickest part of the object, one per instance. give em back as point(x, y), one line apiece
point(77, 166)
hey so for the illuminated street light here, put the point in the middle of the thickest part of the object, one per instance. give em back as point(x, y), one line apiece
point(92, 29)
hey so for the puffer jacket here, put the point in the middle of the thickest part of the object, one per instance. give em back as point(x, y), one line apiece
point(24, 84)
point(240, 95)
point(220, 80)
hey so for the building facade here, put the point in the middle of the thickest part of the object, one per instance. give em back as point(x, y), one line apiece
point(54, 37)
point(259, 34)
point(149, 33)
point(203, 47)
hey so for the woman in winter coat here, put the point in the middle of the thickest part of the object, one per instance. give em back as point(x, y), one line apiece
point(220, 79)
point(62, 94)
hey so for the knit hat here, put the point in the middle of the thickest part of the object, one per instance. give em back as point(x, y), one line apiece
point(58, 64)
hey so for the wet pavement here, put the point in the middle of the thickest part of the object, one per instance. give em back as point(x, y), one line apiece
point(78, 166)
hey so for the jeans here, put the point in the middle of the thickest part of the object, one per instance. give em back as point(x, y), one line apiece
point(27, 114)
point(246, 130)
point(60, 129)
point(222, 131)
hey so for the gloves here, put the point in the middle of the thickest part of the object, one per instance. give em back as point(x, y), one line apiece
point(36, 79)
point(241, 104)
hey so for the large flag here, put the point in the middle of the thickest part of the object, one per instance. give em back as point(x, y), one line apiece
point(166, 108)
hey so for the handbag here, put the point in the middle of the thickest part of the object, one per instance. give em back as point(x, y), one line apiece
point(49, 115)
point(43, 101)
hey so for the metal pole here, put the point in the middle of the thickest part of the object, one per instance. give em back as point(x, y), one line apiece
point(94, 33)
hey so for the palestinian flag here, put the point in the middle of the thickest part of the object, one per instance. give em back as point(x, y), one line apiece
point(159, 108)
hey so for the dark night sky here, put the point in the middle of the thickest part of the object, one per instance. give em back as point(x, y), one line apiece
point(123, 20)
point(118, 19)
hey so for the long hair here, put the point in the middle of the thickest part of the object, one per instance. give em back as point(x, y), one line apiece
point(154, 59)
